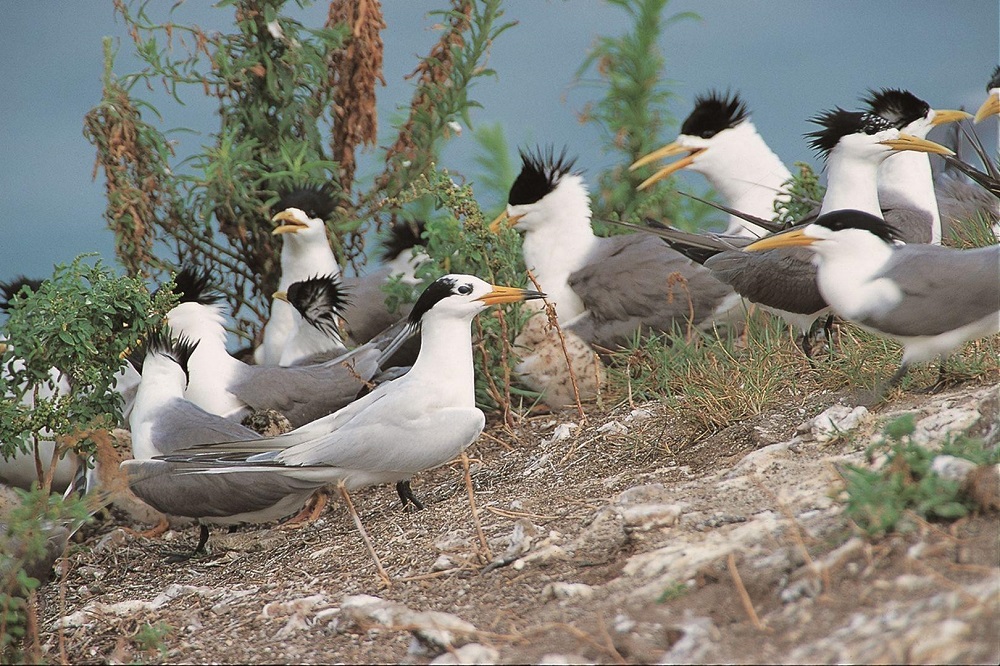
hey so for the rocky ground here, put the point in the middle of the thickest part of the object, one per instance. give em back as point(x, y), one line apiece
point(622, 539)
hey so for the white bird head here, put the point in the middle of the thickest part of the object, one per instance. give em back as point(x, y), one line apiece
point(302, 213)
point(908, 113)
point(714, 134)
point(461, 297)
point(546, 193)
point(864, 136)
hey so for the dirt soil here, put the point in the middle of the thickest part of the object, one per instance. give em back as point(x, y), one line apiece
point(624, 539)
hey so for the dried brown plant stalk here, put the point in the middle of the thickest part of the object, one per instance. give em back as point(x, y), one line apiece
point(353, 73)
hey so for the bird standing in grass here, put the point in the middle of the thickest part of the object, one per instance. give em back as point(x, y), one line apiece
point(929, 298)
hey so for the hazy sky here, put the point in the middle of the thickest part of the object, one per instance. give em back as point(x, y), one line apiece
point(789, 58)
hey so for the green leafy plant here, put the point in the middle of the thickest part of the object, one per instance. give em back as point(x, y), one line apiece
point(880, 501)
point(64, 344)
point(295, 105)
point(152, 636)
point(32, 535)
point(805, 194)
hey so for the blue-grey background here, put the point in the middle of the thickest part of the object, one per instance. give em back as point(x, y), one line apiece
point(789, 58)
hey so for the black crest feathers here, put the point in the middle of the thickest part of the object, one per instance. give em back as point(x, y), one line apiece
point(839, 123)
point(540, 171)
point(193, 284)
point(713, 113)
point(839, 220)
point(8, 290)
point(402, 237)
point(316, 201)
point(899, 107)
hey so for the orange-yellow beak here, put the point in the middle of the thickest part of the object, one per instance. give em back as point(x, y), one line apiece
point(945, 116)
point(666, 151)
point(293, 225)
point(503, 220)
point(991, 107)
point(784, 239)
point(909, 142)
point(509, 295)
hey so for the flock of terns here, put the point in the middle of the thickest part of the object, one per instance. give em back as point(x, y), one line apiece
point(330, 361)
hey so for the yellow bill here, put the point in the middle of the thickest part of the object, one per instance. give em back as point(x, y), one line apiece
point(991, 107)
point(293, 224)
point(503, 220)
point(945, 116)
point(509, 295)
point(909, 142)
point(784, 239)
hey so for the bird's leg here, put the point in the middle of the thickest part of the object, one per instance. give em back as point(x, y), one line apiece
point(944, 380)
point(805, 343)
point(310, 512)
point(173, 558)
point(342, 489)
point(152, 532)
point(407, 497)
point(828, 331)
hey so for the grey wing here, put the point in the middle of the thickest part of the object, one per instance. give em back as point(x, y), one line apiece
point(783, 278)
point(182, 424)
point(960, 201)
point(914, 226)
point(636, 283)
point(170, 487)
point(306, 393)
point(943, 289)
point(366, 315)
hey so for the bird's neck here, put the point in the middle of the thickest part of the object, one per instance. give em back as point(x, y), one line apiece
point(306, 258)
point(749, 176)
point(445, 360)
point(305, 342)
point(851, 183)
point(558, 248)
point(905, 181)
point(160, 385)
point(845, 272)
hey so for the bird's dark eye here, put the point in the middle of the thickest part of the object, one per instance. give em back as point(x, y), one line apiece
point(707, 134)
point(311, 214)
point(465, 289)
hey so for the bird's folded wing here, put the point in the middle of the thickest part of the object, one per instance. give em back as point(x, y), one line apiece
point(943, 289)
point(783, 278)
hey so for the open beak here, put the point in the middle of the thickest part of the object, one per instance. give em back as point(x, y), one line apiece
point(991, 107)
point(280, 296)
point(668, 150)
point(945, 116)
point(909, 142)
point(287, 216)
point(503, 220)
point(784, 239)
point(509, 295)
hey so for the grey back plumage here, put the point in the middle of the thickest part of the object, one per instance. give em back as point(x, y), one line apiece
point(943, 289)
point(665, 290)
point(782, 278)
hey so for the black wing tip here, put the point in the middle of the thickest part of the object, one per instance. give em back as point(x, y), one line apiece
point(714, 112)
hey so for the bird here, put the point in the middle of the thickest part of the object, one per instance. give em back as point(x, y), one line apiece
point(930, 298)
point(367, 313)
point(319, 301)
point(724, 146)
point(163, 421)
point(991, 106)
point(417, 422)
point(305, 252)
point(223, 385)
point(604, 290)
point(853, 144)
point(906, 191)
